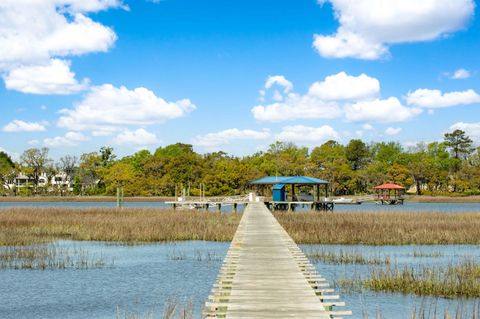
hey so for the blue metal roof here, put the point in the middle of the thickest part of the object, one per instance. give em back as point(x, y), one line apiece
point(278, 186)
point(302, 180)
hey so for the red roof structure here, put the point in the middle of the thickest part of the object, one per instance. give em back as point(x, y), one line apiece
point(389, 186)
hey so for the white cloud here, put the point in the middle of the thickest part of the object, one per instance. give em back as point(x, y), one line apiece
point(279, 80)
point(342, 86)
point(367, 127)
point(35, 34)
point(33, 142)
point(107, 108)
point(296, 107)
point(70, 139)
point(33, 31)
point(137, 137)
point(389, 110)
point(322, 99)
point(229, 135)
point(300, 133)
point(460, 74)
point(471, 129)
point(348, 44)
point(22, 126)
point(368, 27)
point(355, 97)
point(393, 130)
point(52, 78)
point(436, 99)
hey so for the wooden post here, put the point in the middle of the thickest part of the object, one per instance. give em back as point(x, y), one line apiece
point(118, 197)
point(219, 207)
point(121, 194)
point(234, 207)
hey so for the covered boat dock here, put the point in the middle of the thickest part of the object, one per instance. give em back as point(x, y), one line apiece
point(389, 194)
point(304, 191)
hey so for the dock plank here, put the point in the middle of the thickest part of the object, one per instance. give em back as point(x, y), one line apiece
point(266, 275)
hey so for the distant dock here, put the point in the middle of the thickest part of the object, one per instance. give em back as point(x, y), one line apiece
point(205, 203)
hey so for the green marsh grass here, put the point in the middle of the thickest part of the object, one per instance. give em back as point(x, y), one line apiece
point(454, 281)
point(196, 255)
point(345, 257)
point(51, 256)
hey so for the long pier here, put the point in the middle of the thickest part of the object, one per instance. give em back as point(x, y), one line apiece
point(234, 201)
point(266, 275)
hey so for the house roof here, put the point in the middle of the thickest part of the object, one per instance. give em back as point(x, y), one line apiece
point(300, 180)
point(389, 186)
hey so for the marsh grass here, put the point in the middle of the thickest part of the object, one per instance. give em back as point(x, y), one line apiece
point(422, 253)
point(345, 257)
point(196, 255)
point(454, 281)
point(24, 226)
point(51, 256)
point(382, 228)
point(432, 311)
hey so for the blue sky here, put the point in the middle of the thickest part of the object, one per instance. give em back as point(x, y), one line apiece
point(235, 75)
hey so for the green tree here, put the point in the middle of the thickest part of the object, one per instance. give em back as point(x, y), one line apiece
point(119, 175)
point(89, 172)
point(106, 156)
point(421, 168)
point(287, 159)
point(357, 154)
point(35, 161)
point(7, 167)
point(388, 153)
point(175, 164)
point(332, 165)
point(459, 143)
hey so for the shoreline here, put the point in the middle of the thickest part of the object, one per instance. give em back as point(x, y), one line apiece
point(442, 199)
point(83, 199)
point(408, 199)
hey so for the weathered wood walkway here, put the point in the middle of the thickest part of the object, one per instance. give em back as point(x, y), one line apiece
point(266, 275)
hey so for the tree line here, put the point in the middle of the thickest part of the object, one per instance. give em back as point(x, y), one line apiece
point(448, 167)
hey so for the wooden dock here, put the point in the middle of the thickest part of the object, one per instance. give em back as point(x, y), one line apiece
point(291, 206)
point(266, 275)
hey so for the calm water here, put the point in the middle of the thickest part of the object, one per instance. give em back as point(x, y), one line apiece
point(144, 277)
point(389, 304)
point(407, 207)
point(225, 209)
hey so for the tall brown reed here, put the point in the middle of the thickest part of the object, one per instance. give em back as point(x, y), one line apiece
point(382, 228)
point(21, 226)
